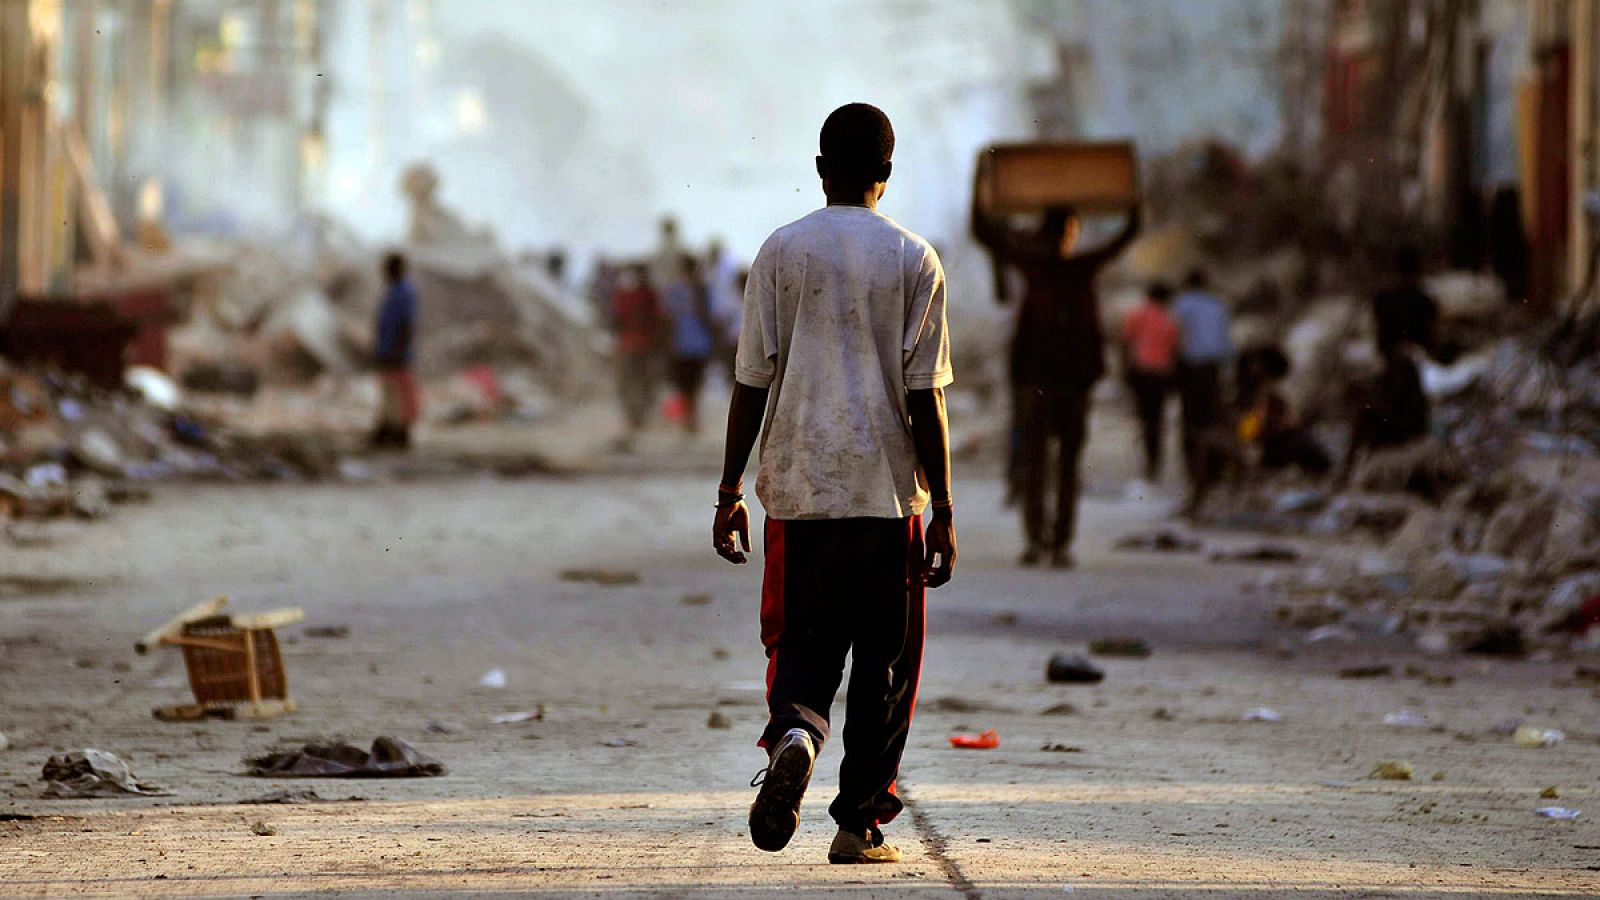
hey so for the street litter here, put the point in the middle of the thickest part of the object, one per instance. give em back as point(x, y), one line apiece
point(1557, 812)
point(1071, 669)
point(521, 715)
point(326, 631)
point(1060, 748)
point(619, 742)
point(608, 577)
point(235, 669)
point(1261, 553)
point(719, 720)
point(1060, 709)
point(1550, 793)
point(1162, 540)
point(1393, 770)
point(1263, 714)
point(390, 757)
point(1530, 736)
point(494, 678)
point(1380, 670)
point(987, 740)
point(87, 773)
point(1406, 718)
point(262, 829)
point(1120, 646)
point(695, 599)
point(4, 743)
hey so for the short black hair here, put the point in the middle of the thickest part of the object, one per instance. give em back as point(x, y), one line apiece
point(1197, 279)
point(856, 144)
point(1159, 291)
point(394, 266)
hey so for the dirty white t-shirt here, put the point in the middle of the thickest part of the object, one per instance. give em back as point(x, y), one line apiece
point(844, 312)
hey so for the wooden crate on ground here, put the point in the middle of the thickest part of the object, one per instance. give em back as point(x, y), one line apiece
point(234, 665)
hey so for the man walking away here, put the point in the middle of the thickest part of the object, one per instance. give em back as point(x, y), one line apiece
point(693, 337)
point(636, 312)
point(400, 403)
point(1206, 346)
point(844, 355)
point(1150, 339)
point(1057, 356)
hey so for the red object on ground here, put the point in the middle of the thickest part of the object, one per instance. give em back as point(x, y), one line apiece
point(483, 378)
point(986, 741)
point(674, 408)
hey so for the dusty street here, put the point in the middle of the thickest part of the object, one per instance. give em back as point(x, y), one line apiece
point(1155, 786)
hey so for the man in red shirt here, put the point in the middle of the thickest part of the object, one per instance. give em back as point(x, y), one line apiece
point(1150, 349)
point(636, 315)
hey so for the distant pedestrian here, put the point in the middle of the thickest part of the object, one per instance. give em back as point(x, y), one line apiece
point(724, 280)
point(688, 305)
point(845, 338)
point(1150, 341)
point(394, 351)
point(1057, 356)
point(637, 318)
point(1394, 409)
point(1206, 346)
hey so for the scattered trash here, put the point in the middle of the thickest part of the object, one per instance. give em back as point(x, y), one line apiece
point(1261, 553)
point(390, 757)
point(607, 577)
point(1550, 793)
point(494, 678)
point(1530, 736)
point(1162, 540)
point(1262, 714)
point(1120, 646)
point(1069, 669)
point(1381, 670)
point(5, 744)
point(1060, 748)
point(695, 600)
point(1393, 770)
point(719, 720)
point(1060, 709)
point(1324, 633)
point(962, 705)
point(521, 715)
point(1162, 714)
point(987, 740)
point(326, 631)
point(1406, 718)
point(1437, 776)
point(87, 773)
point(1557, 812)
point(1006, 619)
point(262, 829)
point(619, 742)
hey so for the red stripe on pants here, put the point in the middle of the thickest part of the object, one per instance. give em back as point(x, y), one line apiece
point(772, 580)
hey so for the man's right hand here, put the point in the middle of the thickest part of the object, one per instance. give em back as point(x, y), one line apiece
point(732, 522)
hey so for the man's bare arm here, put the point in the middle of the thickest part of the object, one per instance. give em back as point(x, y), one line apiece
point(745, 412)
point(930, 433)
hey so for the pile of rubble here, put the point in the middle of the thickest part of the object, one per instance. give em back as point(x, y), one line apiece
point(1487, 539)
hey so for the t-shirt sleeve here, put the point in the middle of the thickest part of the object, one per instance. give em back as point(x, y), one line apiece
point(755, 363)
point(927, 335)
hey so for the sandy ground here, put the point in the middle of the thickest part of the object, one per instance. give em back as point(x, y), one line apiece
point(1158, 788)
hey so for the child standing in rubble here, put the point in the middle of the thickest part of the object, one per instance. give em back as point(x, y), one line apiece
point(396, 335)
point(844, 354)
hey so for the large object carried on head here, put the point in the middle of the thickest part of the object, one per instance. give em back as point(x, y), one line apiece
point(1091, 176)
point(233, 661)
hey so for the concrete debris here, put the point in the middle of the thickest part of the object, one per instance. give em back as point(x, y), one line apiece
point(288, 796)
point(89, 773)
point(719, 720)
point(1069, 669)
point(262, 829)
point(1533, 737)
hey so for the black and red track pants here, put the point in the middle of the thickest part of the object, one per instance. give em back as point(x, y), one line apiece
point(834, 587)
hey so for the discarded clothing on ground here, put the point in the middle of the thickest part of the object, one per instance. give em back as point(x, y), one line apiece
point(81, 774)
point(390, 757)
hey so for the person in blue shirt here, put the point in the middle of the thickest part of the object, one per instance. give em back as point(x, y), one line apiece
point(694, 337)
point(394, 351)
point(1205, 346)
